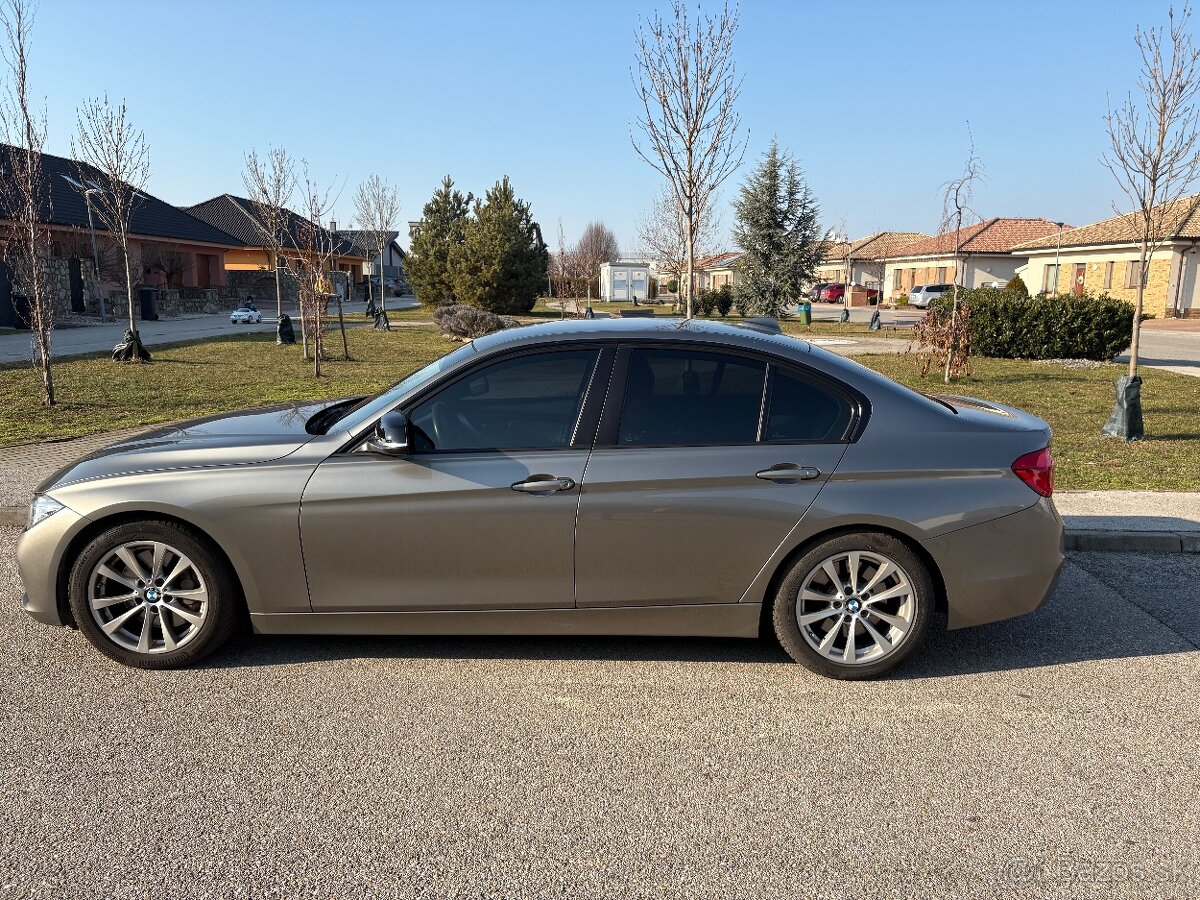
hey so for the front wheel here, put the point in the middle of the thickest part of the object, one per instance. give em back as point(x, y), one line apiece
point(854, 606)
point(154, 595)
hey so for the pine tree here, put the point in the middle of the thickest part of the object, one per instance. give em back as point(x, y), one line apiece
point(502, 262)
point(442, 227)
point(777, 232)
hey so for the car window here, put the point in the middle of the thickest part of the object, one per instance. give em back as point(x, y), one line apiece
point(799, 409)
point(687, 397)
point(522, 403)
point(918, 289)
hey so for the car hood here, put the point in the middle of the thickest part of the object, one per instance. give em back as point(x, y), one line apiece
point(230, 439)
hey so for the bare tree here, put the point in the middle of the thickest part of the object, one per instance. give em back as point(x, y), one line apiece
point(688, 86)
point(595, 247)
point(312, 261)
point(560, 266)
point(377, 209)
point(24, 193)
point(1154, 152)
point(663, 231)
point(270, 184)
point(957, 196)
point(169, 260)
point(114, 166)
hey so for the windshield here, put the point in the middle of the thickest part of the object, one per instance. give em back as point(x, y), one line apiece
point(369, 408)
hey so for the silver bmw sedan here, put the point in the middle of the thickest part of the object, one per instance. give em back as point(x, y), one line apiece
point(616, 476)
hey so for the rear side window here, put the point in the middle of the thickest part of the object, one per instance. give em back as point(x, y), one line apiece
point(800, 409)
point(689, 397)
point(917, 289)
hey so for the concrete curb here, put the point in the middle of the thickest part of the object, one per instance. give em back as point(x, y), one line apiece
point(1098, 541)
point(1134, 541)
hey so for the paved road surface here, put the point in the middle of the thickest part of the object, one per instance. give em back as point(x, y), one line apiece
point(1178, 351)
point(1052, 756)
point(74, 341)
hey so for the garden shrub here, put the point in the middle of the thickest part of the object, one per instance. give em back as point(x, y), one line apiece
point(1016, 287)
point(466, 323)
point(724, 300)
point(704, 303)
point(1010, 326)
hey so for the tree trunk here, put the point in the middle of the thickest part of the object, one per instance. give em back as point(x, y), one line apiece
point(950, 344)
point(691, 262)
point(278, 291)
point(342, 324)
point(383, 294)
point(129, 290)
point(1137, 314)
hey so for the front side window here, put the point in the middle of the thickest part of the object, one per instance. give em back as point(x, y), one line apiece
point(691, 397)
point(522, 403)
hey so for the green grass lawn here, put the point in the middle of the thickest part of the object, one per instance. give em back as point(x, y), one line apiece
point(189, 380)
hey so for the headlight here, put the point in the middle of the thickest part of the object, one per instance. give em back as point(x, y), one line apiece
point(42, 508)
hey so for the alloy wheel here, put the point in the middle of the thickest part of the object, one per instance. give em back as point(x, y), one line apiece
point(148, 597)
point(856, 607)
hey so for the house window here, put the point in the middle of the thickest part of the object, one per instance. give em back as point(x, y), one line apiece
point(941, 275)
point(1108, 270)
point(912, 278)
point(898, 280)
point(1133, 273)
point(1050, 279)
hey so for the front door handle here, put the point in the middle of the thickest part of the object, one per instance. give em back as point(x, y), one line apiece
point(544, 484)
point(789, 473)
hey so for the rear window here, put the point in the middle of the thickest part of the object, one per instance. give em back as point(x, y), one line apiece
point(801, 410)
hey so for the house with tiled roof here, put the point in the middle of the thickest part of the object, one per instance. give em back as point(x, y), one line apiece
point(713, 272)
point(1105, 258)
point(865, 258)
point(985, 255)
point(239, 217)
point(157, 231)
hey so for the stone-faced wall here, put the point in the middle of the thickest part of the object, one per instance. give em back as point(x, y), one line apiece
point(242, 283)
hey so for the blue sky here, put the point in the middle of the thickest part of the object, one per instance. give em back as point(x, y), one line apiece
point(869, 96)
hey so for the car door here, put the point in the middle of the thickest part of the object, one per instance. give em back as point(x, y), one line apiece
point(480, 514)
point(705, 461)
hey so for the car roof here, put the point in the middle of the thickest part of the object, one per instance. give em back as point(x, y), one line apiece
point(664, 328)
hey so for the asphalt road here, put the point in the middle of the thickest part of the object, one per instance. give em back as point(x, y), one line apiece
point(1054, 755)
point(1178, 351)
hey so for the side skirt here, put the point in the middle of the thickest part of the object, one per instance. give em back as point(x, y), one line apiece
point(709, 620)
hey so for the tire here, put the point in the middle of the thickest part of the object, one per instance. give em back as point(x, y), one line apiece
point(888, 615)
point(185, 605)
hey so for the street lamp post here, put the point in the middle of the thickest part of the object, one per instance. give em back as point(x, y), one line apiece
point(1057, 257)
point(87, 199)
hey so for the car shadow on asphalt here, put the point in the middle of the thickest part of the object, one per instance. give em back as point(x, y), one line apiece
point(1084, 620)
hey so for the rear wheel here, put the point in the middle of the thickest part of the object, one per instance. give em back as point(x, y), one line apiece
point(854, 606)
point(154, 595)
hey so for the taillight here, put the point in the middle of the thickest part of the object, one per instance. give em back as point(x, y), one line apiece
point(1036, 469)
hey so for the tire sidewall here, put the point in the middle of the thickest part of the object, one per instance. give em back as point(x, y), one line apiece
point(217, 625)
point(787, 628)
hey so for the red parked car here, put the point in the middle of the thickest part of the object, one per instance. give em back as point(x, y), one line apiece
point(836, 293)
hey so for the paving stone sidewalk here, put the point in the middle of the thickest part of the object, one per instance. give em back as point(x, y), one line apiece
point(1096, 520)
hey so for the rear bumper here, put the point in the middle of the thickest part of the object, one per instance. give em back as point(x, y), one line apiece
point(1000, 569)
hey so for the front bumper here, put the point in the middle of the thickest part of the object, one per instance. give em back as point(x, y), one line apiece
point(39, 560)
point(1003, 568)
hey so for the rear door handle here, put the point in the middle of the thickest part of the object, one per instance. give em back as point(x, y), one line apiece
point(788, 473)
point(544, 484)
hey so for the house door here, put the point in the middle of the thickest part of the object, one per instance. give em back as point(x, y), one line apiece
point(1189, 293)
point(1078, 282)
point(75, 273)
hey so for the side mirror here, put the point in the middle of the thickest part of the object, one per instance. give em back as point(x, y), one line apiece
point(390, 436)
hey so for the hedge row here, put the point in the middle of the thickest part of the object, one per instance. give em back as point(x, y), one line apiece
point(1010, 326)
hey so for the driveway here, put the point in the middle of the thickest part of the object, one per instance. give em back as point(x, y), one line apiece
point(93, 338)
point(1051, 756)
point(1175, 350)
